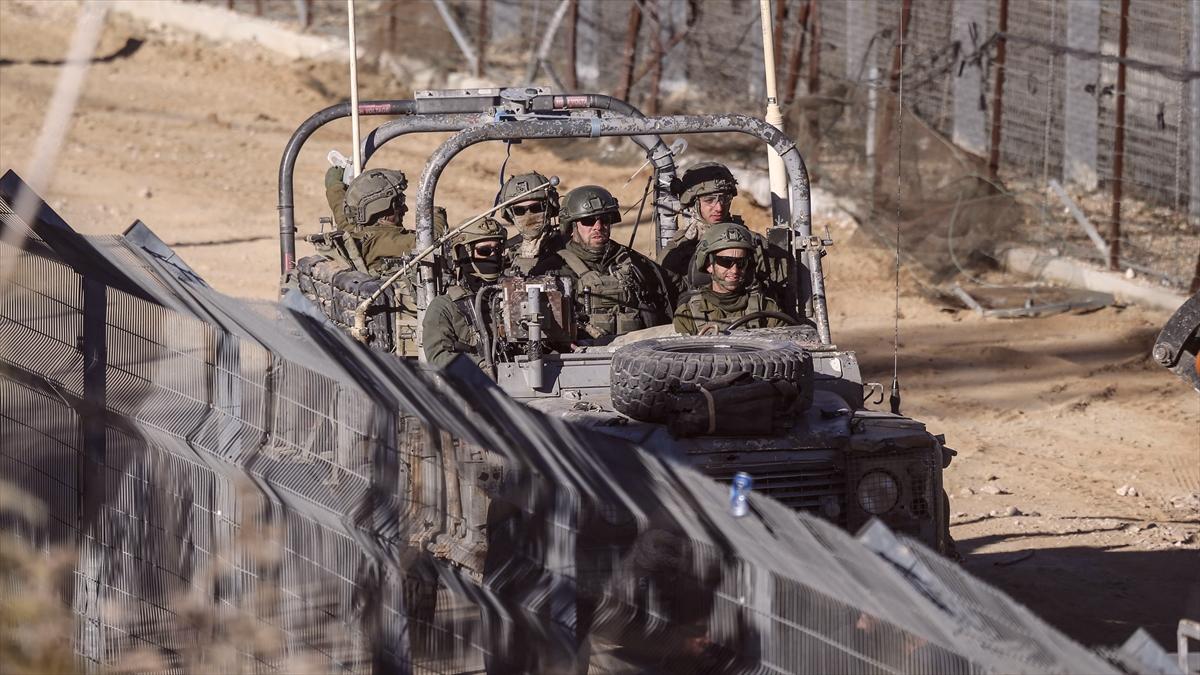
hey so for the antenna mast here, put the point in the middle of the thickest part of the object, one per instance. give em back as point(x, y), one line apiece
point(354, 88)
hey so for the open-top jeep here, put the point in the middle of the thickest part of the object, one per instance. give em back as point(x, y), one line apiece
point(785, 405)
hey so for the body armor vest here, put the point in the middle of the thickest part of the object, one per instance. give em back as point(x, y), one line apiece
point(711, 319)
point(611, 300)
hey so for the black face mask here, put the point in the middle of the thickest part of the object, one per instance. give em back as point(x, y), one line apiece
point(487, 270)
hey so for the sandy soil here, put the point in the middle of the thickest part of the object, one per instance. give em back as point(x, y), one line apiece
point(1050, 416)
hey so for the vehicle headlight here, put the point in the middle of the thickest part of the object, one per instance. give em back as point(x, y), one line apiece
point(878, 492)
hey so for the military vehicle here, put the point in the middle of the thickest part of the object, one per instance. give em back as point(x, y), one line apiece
point(786, 405)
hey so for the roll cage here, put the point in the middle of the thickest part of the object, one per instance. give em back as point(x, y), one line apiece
point(533, 113)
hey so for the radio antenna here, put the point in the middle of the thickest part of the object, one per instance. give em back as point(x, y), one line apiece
point(357, 155)
point(894, 399)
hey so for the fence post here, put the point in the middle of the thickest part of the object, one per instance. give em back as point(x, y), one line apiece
point(571, 76)
point(481, 37)
point(1194, 133)
point(1081, 109)
point(796, 60)
point(631, 44)
point(1194, 119)
point(1114, 227)
point(891, 104)
point(970, 120)
point(998, 95)
point(814, 69)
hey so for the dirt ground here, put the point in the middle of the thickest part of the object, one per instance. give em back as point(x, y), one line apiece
point(1051, 417)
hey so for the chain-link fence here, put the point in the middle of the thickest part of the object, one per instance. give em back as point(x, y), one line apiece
point(1031, 122)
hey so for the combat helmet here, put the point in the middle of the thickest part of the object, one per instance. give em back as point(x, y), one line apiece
point(483, 230)
point(520, 183)
point(589, 201)
point(705, 178)
point(374, 193)
point(720, 237)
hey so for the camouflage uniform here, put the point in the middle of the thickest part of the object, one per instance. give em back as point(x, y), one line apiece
point(357, 210)
point(617, 289)
point(522, 255)
point(678, 257)
point(704, 311)
point(449, 327)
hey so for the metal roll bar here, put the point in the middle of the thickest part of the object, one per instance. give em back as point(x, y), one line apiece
point(455, 114)
point(287, 165)
point(657, 152)
point(799, 220)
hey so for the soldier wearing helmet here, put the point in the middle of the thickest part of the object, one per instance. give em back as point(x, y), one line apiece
point(450, 325)
point(726, 254)
point(370, 212)
point(705, 192)
point(533, 218)
point(617, 289)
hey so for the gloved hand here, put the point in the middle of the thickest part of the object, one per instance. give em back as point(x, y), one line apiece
point(333, 177)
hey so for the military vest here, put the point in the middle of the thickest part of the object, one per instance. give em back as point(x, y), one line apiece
point(610, 300)
point(710, 318)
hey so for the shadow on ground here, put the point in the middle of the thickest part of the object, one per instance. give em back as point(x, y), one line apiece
point(1099, 596)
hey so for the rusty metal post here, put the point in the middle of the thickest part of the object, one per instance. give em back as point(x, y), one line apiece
point(814, 69)
point(796, 60)
point(571, 76)
point(392, 24)
point(1114, 226)
point(888, 118)
point(257, 7)
point(631, 33)
point(998, 95)
point(781, 12)
point(481, 36)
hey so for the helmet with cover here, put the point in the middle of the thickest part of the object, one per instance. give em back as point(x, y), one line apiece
point(373, 194)
point(722, 237)
point(706, 178)
point(523, 183)
point(486, 230)
point(586, 202)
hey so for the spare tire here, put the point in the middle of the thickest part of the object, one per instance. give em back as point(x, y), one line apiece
point(644, 373)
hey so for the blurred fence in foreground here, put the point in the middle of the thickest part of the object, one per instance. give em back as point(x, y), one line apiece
point(232, 489)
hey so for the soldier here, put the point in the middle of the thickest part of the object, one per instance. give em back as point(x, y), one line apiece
point(727, 254)
point(617, 289)
point(370, 212)
point(450, 323)
point(706, 192)
point(533, 218)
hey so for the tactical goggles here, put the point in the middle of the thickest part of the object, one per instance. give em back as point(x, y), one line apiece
point(486, 250)
point(713, 200)
point(729, 262)
point(518, 210)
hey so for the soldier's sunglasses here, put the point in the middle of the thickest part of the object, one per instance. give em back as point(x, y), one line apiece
point(536, 207)
point(486, 251)
point(593, 222)
point(713, 200)
point(729, 262)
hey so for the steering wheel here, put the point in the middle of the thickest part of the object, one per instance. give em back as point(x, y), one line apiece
point(768, 314)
